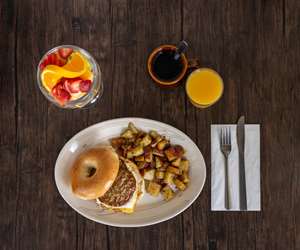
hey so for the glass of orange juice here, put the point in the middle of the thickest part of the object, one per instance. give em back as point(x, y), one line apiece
point(204, 87)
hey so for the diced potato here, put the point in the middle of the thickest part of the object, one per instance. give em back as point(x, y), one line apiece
point(174, 152)
point(167, 193)
point(156, 141)
point(166, 164)
point(142, 164)
point(153, 134)
point(174, 170)
point(176, 163)
point(148, 155)
point(146, 140)
point(140, 134)
point(162, 144)
point(159, 174)
point(168, 178)
point(117, 142)
point(132, 128)
point(137, 141)
point(158, 162)
point(139, 158)
point(158, 152)
point(185, 177)
point(179, 184)
point(128, 134)
point(153, 188)
point(137, 151)
point(184, 165)
point(152, 164)
point(149, 174)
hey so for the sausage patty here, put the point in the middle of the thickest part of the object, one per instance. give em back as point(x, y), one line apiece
point(122, 188)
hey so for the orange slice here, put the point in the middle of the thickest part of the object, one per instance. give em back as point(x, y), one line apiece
point(88, 75)
point(76, 66)
point(49, 78)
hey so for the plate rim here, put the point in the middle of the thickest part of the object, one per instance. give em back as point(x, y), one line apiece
point(156, 221)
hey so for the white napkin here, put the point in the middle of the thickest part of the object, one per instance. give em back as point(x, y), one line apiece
point(252, 168)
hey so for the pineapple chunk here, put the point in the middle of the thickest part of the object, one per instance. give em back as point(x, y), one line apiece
point(167, 193)
point(174, 170)
point(153, 188)
point(179, 184)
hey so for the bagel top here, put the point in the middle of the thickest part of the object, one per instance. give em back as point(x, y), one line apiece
point(94, 172)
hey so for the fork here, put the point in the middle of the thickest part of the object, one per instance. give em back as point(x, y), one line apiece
point(226, 149)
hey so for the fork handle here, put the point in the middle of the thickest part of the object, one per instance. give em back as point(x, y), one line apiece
point(227, 206)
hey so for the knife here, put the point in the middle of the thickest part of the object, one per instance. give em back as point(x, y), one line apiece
point(240, 133)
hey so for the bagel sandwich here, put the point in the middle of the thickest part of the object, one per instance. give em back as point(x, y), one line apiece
point(100, 174)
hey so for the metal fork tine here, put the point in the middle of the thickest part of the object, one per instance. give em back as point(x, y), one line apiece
point(222, 136)
point(229, 136)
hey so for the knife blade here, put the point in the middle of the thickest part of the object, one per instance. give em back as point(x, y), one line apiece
point(240, 133)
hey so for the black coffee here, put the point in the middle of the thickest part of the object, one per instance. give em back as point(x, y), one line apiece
point(165, 67)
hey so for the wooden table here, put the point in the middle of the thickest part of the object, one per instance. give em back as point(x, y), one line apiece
point(253, 44)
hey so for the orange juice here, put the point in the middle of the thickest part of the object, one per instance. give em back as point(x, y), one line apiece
point(204, 87)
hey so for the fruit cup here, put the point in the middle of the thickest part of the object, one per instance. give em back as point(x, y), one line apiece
point(69, 77)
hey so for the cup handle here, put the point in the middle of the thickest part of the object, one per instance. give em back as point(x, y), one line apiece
point(193, 64)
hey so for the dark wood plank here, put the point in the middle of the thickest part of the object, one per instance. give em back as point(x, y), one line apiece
point(292, 49)
point(138, 27)
point(44, 220)
point(93, 33)
point(8, 123)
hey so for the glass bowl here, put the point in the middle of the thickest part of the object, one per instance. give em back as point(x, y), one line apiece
point(89, 97)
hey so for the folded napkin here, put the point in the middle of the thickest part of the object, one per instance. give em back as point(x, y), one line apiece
point(252, 168)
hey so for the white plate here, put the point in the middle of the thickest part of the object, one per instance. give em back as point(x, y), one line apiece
point(149, 210)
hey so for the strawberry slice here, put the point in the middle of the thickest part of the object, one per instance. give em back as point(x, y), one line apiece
point(85, 85)
point(65, 52)
point(72, 84)
point(60, 94)
point(53, 59)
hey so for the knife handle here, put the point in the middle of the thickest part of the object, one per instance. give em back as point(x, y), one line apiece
point(243, 192)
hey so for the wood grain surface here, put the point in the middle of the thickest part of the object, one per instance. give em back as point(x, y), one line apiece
point(253, 44)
